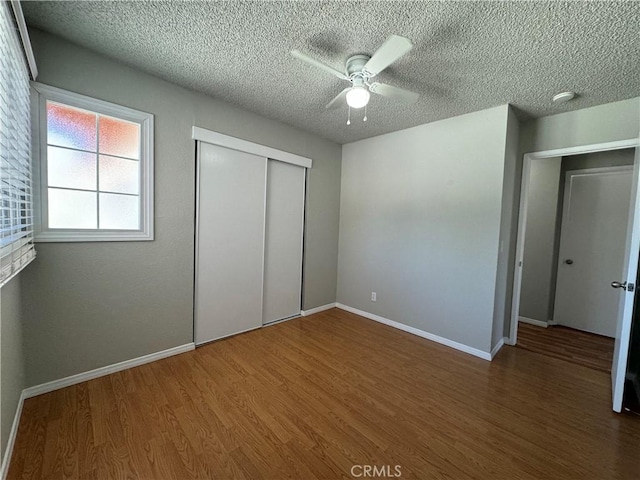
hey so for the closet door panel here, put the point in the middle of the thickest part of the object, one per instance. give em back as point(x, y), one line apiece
point(283, 240)
point(230, 242)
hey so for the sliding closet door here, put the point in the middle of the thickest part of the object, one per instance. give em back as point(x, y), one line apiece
point(283, 241)
point(230, 242)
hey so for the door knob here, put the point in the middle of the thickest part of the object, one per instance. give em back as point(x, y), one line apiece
point(619, 285)
point(568, 261)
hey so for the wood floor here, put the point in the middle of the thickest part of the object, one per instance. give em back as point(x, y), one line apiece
point(575, 346)
point(319, 396)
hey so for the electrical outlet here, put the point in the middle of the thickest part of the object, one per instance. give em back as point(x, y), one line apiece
point(373, 296)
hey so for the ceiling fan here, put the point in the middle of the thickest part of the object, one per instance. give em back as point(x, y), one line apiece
point(360, 69)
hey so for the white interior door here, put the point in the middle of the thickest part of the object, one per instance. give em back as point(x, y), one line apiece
point(592, 242)
point(628, 275)
point(230, 242)
point(283, 241)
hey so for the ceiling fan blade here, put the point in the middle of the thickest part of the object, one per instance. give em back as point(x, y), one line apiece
point(389, 52)
point(398, 94)
point(301, 56)
point(338, 99)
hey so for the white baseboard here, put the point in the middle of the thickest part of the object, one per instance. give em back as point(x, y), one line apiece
point(499, 345)
point(102, 371)
point(4, 469)
point(421, 333)
point(533, 321)
point(328, 306)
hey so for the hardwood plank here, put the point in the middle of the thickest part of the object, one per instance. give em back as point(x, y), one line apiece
point(315, 396)
point(86, 443)
point(101, 403)
point(28, 455)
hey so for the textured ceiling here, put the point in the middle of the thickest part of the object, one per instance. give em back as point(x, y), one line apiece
point(467, 56)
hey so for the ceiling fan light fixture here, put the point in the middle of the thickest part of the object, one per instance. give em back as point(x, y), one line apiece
point(358, 97)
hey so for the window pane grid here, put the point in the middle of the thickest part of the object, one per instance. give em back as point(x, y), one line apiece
point(16, 225)
point(106, 171)
point(92, 152)
point(95, 191)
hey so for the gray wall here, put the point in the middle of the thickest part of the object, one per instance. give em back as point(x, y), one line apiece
point(614, 158)
point(93, 304)
point(604, 123)
point(420, 223)
point(538, 257)
point(506, 256)
point(12, 368)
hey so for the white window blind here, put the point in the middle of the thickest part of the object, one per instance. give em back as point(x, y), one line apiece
point(16, 227)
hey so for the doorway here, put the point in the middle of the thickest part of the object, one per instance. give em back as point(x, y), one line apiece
point(577, 214)
point(577, 226)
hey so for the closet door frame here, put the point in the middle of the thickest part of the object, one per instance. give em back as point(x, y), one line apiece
point(207, 136)
point(215, 138)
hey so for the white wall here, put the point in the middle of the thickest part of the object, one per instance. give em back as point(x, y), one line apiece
point(539, 249)
point(420, 220)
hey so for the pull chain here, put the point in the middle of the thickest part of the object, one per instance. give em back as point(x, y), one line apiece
point(365, 114)
point(349, 116)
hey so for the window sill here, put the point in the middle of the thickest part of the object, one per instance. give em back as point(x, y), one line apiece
point(52, 237)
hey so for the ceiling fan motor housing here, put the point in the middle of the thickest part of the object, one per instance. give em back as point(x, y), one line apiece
point(355, 65)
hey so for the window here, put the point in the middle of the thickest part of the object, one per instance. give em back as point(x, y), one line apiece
point(95, 171)
point(16, 230)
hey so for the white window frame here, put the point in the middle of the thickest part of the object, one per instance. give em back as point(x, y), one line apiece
point(43, 93)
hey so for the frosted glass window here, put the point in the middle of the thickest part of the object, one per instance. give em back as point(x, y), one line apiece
point(71, 168)
point(119, 212)
point(119, 175)
point(72, 209)
point(119, 137)
point(71, 127)
point(97, 169)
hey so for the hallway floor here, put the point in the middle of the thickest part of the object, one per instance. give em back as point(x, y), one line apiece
point(575, 346)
